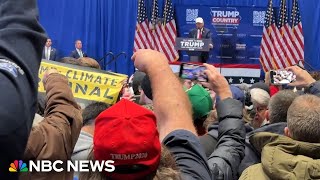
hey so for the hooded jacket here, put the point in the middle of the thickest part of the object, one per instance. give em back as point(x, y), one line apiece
point(55, 137)
point(251, 156)
point(83, 148)
point(283, 158)
point(225, 159)
point(22, 39)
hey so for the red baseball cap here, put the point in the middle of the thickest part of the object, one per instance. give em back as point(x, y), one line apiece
point(127, 134)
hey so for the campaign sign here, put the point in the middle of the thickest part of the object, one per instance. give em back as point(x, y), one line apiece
point(236, 31)
point(190, 44)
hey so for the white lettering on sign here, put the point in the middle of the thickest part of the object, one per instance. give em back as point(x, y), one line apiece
point(225, 17)
point(192, 44)
point(225, 13)
point(225, 20)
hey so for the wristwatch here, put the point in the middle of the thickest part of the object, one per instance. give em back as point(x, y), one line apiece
point(310, 86)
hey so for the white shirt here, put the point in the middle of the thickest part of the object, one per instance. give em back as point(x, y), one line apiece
point(199, 32)
point(80, 52)
point(47, 52)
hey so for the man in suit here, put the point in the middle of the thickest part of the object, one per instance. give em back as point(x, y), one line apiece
point(49, 53)
point(200, 32)
point(78, 53)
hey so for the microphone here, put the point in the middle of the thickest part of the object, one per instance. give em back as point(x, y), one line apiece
point(116, 57)
point(106, 55)
point(122, 53)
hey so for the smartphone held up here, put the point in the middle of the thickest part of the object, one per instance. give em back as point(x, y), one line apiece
point(280, 77)
point(193, 72)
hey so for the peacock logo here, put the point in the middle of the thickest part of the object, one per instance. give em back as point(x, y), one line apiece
point(18, 166)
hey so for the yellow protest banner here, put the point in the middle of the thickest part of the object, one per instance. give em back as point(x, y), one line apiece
point(86, 83)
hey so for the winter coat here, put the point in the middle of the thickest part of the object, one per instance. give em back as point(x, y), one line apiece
point(283, 158)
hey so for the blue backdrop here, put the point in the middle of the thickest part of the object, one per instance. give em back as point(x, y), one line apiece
point(109, 25)
point(234, 43)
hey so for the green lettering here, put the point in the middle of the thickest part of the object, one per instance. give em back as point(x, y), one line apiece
point(114, 82)
point(75, 75)
point(69, 71)
point(106, 95)
point(82, 89)
point(95, 91)
point(106, 81)
point(98, 80)
point(88, 77)
point(82, 74)
point(42, 69)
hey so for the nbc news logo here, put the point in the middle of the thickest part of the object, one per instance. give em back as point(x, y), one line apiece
point(18, 166)
point(59, 166)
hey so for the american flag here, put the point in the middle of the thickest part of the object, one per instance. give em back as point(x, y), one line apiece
point(142, 38)
point(296, 25)
point(170, 31)
point(282, 33)
point(164, 35)
point(279, 45)
point(292, 56)
point(155, 28)
point(267, 51)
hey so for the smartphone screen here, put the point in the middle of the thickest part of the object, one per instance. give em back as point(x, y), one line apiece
point(279, 77)
point(193, 72)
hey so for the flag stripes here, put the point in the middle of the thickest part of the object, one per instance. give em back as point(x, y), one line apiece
point(158, 33)
point(282, 43)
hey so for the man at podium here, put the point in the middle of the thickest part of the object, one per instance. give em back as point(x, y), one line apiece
point(200, 32)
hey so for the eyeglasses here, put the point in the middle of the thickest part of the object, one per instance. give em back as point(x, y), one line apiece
point(259, 109)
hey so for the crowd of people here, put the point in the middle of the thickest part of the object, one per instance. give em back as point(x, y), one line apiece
point(166, 128)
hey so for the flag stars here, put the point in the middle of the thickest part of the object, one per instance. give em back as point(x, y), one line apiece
point(241, 80)
point(230, 80)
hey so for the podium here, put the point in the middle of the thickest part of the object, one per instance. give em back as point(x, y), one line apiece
point(194, 47)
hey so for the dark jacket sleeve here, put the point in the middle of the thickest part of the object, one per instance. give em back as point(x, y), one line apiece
point(43, 54)
point(225, 160)
point(192, 33)
point(61, 125)
point(210, 140)
point(315, 89)
point(55, 57)
point(209, 34)
point(71, 54)
point(188, 153)
point(208, 143)
point(21, 43)
point(74, 54)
